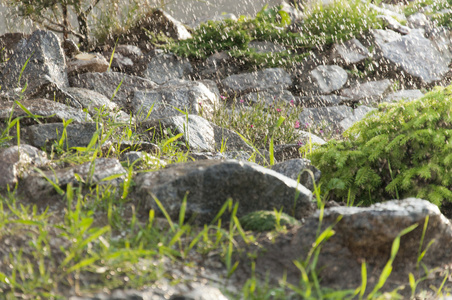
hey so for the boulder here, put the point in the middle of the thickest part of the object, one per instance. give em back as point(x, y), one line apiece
point(267, 79)
point(331, 115)
point(127, 59)
point(46, 65)
point(269, 97)
point(363, 234)
point(413, 57)
point(392, 24)
point(16, 162)
point(45, 110)
point(323, 100)
point(406, 95)
point(358, 114)
point(37, 185)
point(217, 66)
point(209, 183)
point(108, 83)
point(89, 99)
point(193, 97)
point(10, 43)
point(138, 158)
point(166, 66)
point(327, 79)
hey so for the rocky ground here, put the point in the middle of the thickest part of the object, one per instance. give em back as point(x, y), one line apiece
point(97, 149)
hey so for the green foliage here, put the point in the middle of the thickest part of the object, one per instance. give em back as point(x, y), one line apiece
point(263, 220)
point(402, 148)
point(340, 20)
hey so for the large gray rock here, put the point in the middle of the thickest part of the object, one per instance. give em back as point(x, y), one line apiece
point(299, 169)
point(210, 183)
point(364, 234)
point(274, 79)
point(107, 83)
point(190, 96)
point(45, 135)
point(46, 66)
point(270, 97)
point(358, 114)
point(51, 111)
point(369, 92)
point(217, 65)
point(86, 62)
point(415, 56)
point(331, 115)
point(392, 24)
point(164, 67)
point(323, 100)
point(89, 99)
point(37, 185)
point(127, 59)
point(15, 163)
point(10, 43)
point(327, 79)
point(350, 52)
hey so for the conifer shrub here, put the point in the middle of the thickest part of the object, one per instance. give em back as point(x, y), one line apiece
point(399, 150)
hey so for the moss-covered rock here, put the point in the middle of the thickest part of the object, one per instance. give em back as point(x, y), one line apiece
point(264, 220)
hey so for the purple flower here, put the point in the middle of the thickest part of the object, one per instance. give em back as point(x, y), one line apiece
point(200, 103)
point(306, 125)
point(223, 97)
point(252, 126)
point(297, 124)
point(300, 143)
point(278, 109)
point(321, 131)
point(241, 100)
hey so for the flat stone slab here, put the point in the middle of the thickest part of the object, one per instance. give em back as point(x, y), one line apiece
point(45, 135)
point(270, 97)
point(51, 111)
point(86, 62)
point(406, 95)
point(36, 185)
point(188, 96)
point(107, 83)
point(323, 100)
point(267, 79)
point(210, 183)
point(348, 53)
point(328, 79)
point(164, 67)
point(369, 92)
point(299, 169)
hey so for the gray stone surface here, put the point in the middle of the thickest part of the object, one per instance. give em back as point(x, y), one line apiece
point(382, 36)
point(89, 99)
point(16, 162)
point(350, 52)
point(306, 137)
point(323, 100)
point(369, 92)
point(327, 79)
point(417, 57)
point(164, 67)
point(231, 140)
point(128, 59)
point(407, 95)
point(275, 79)
point(441, 38)
point(419, 21)
point(51, 111)
point(45, 135)
point(46, 66)
point(11, 42)
point(330, 115)
point(217, 65)
point(210, 183)
point(190, 96)
point(86, 62)
point(391, 23)
point(138, 158)
point(358, 114)
point(297, 169)
point(36, 185)
point(107, 83)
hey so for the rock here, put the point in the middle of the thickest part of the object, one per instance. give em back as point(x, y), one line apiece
point(51, 112)
point(270, 97)
point(369, 92)
point(267, 79)
point(297, 169)
point(330, 115)
point(70, 48)
point(327, 79)
point(441, 38)
point(164, 67)
point(399, 17)
point(86, 62)
point(128, 59)
point(392, 24)
point(126, 146)
point(15, 162)
point(10, 43)
point(45, 135)
point(107, 83)
point(358, 114)
point(419, 21)
point(91, 100)
point(229, 139)
point(323, 100)
point(201, 293)
point(265, 47)
point(217, 66)
point(406, 95)
point(380, 37)
point(415, 56)
point(348, 53)
point(46, 64)
point(210, 183)
point(363, 234)
point(305, 137)
point(36, 185)
point(189, 96)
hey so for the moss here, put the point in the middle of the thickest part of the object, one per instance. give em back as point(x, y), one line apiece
point(263, 220)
